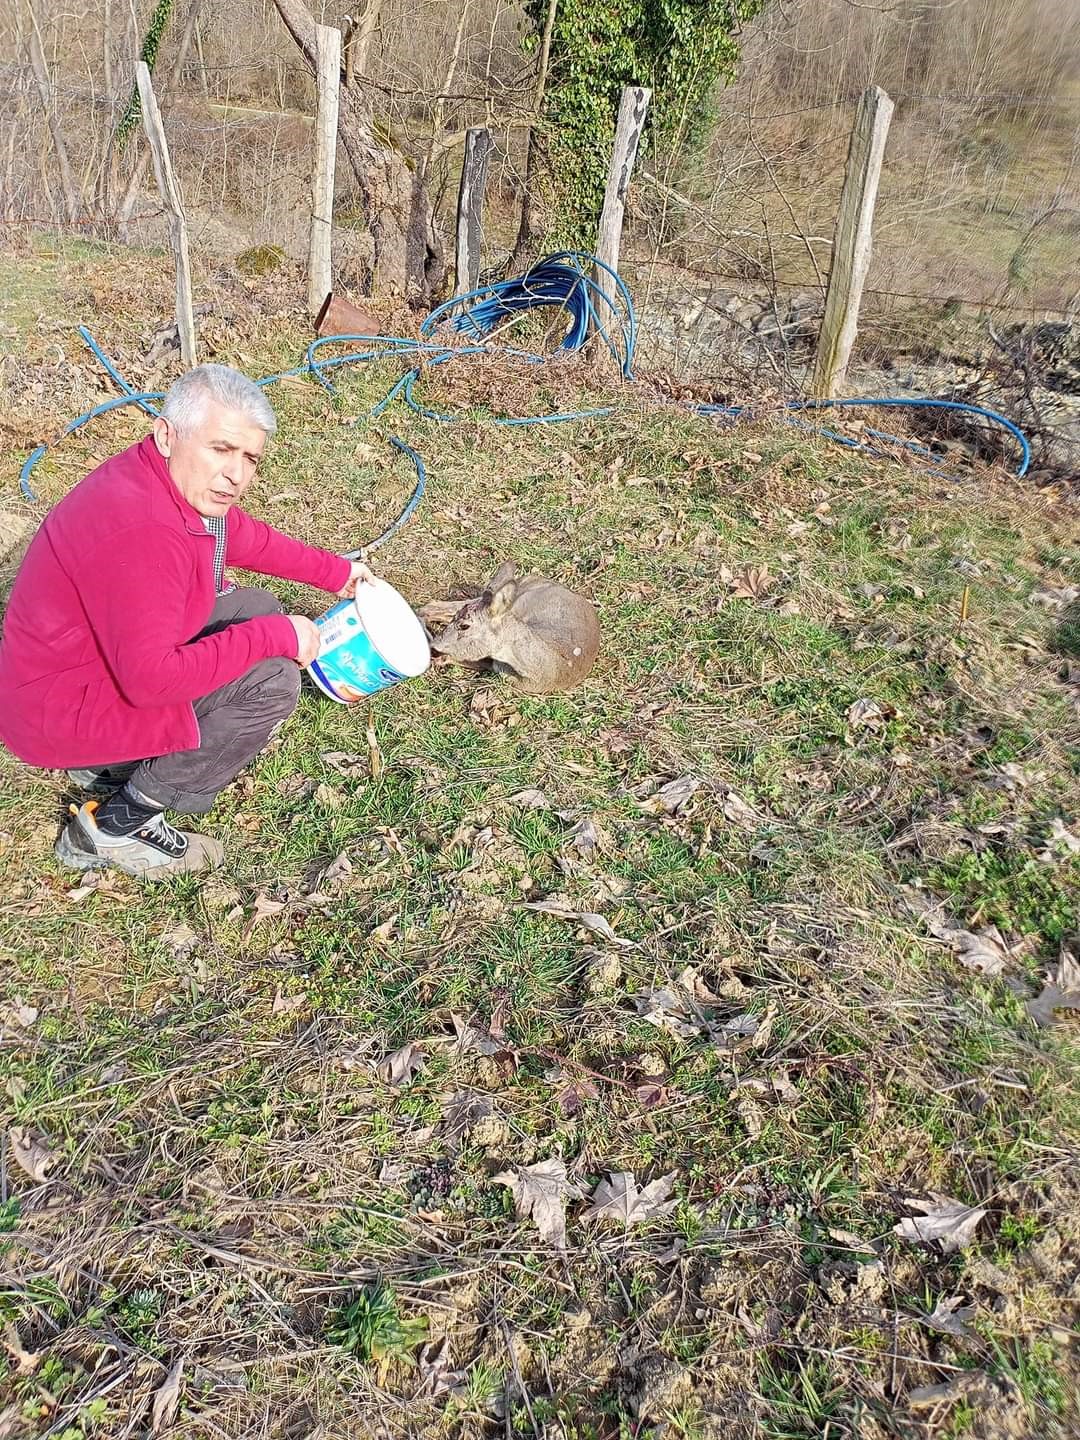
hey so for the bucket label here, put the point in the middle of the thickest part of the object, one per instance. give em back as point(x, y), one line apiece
point(348, 666)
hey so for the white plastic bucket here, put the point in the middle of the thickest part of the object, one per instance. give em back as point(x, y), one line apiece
point(368, 644)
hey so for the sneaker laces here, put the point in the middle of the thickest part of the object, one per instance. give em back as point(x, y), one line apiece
point(165, 836)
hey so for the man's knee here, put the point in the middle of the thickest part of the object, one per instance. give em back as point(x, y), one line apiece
point(277, 683)
point(253, 600)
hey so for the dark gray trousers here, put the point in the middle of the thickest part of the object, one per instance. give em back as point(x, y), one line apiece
point(235, 721)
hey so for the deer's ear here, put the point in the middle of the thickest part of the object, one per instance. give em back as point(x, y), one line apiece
point(506, 571)
point(498, 599)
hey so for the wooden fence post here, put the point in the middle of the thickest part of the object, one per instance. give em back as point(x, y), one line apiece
point(628, 128)
point(470, 210)
point(328, 77)
point(852, 242)
point(170, 195)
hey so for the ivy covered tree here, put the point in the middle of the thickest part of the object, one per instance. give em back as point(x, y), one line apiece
point(680, 48)
point(148, 52)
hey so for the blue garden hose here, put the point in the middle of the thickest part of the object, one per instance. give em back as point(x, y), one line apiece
point(565, 281)
point(897, 402)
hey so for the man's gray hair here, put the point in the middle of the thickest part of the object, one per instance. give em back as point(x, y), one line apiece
point(188, 398)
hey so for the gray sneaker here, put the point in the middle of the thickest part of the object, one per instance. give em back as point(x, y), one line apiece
point(156, 851)
point(102, 779)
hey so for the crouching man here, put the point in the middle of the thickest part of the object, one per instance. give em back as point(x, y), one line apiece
point(130, 660)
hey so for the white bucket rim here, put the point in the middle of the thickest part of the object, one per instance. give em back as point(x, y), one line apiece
point(393, 628)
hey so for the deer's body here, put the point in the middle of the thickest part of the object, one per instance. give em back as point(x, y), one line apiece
point(534, 629)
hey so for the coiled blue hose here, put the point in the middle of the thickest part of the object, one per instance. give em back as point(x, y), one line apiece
point(566, 281)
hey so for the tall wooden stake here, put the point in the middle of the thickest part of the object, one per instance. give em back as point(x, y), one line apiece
point(328, 79)
point(170, 195)
point(632, 108)
point(470, 212)
point(851, 242)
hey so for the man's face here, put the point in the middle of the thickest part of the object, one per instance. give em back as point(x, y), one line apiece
point(215, 464)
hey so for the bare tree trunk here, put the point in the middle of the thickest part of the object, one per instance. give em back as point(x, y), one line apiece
point(204, 82)
point(438, 114)
point(407, 250)
point(363, 35)
point(72, 200)
point(529, 225)
point(348, 39)
point(16, 126)
point(142, 164)
point(106, 49)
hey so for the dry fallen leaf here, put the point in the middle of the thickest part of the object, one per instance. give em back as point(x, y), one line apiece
point(670, 798)
point(681, 1015)
point(26, 1361)
point(751, 1114)
point(167, 1399)
point(17, 1012)
point(950, 1222)
point(868, 713)
point(383, 934)
point(285, 1004)
point(470, 1038)
point(180, 942)
point(265, 909)
point(967, 1383)
point(650, 1093)
point(1060, 843)
point(1062, 988)
point(31, 1154)
point(394, 1173)
point(619, 1201)
point(338, 869)
point(591, 921)
point(983, 950)
point(463, 1110)
point(488, 709)
point(691, 981)
point(541, 1191)
point(1054, 597)
point(329, 797)
point(399, 1067)
point(584, 838)
point(80, 892)
point(670, 1011)
point(436, 1376)
point(530, 800)
point(950, 1316)
point(344, 763)
point(783, 1089)
point(752, 583)
point(738, 811)
point(726, 1034)
point(575, 1095)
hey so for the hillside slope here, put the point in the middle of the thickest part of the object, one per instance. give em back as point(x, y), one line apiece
point(286, 1128)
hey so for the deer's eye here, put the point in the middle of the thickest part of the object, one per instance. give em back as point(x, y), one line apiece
point(464, 624)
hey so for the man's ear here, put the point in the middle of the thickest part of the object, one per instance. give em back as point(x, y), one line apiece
point(163, 436)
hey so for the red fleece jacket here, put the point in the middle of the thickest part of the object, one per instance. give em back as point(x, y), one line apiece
point(98, 663)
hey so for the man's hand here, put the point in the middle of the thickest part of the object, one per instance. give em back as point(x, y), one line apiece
point(360, 575)
point(307, 639)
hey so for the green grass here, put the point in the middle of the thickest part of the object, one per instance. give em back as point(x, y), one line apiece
point(231, 1174)
point(1013, 890)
